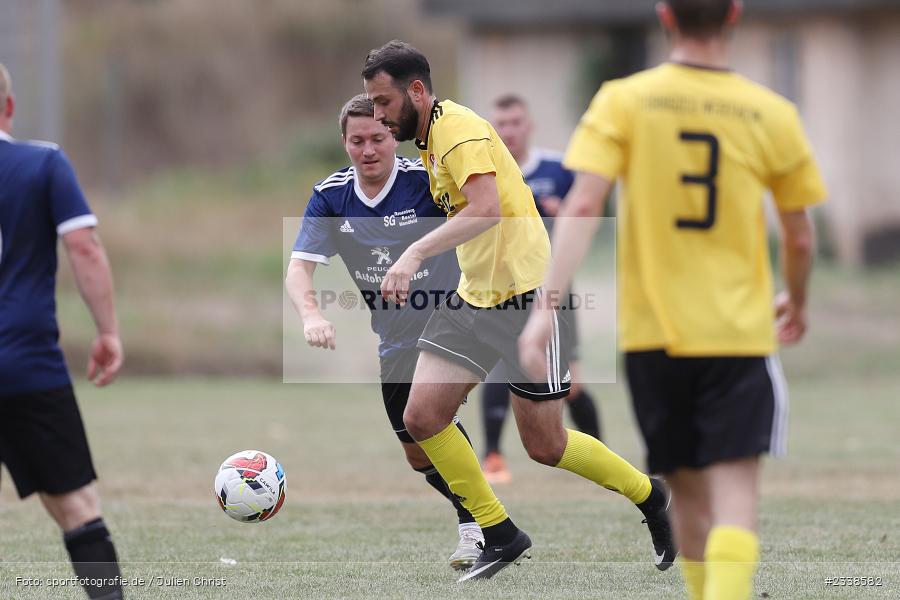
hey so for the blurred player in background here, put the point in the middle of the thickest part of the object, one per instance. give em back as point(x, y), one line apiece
point(696, 146)
point(369, 213)
point(42, 438)
point(503, 251)
point(549, 182)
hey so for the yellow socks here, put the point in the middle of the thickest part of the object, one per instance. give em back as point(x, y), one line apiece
point(732, 555)
point(693, 572)
point(588, 457)
point(454, 458)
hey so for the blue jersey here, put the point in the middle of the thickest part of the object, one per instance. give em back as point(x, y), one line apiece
point(369, 234)
point(39, 200)
point(545, 175)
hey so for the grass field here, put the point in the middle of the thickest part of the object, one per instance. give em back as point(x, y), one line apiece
point(359, 524)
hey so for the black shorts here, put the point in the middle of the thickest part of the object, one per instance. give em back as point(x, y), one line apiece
point(397, 370)
point(43, 444)
point(694, 412)
point(476, 338)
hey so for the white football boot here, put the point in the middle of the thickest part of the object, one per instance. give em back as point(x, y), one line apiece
point(471, 541)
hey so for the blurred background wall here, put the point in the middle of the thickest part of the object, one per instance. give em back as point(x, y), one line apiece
point(839, 60)
point(30, 49)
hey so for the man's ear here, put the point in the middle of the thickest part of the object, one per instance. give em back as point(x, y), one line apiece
point(417, 89)
point(666, 16)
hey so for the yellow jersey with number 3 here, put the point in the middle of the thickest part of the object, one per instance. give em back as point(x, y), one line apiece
point(511, 258)
point(695, 149)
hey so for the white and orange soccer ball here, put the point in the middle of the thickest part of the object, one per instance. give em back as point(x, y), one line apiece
point(250, 486)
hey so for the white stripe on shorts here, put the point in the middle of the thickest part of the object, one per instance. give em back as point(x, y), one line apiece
point(778, 444)
point(557, 378)
point(548, 350)
point(456, 354)
point(554, 382)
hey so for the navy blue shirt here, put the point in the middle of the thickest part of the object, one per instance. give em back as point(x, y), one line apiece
point(369, 234)
point(39, 200)
point(545, 175)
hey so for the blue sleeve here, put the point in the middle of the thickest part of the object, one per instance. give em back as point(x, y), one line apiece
point(564, 182)
point(315, 241)
point(68, 207)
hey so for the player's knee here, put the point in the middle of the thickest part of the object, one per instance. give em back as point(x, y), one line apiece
point(417, 464)
point(73, 509)
point(417, 422)
point(416, 457)
point(544, 450)
point(574, 391)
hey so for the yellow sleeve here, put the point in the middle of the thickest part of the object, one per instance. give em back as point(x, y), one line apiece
point(795, 180)
point(452, 130)
point(469, 158)
point(800, 188)
point(600, 142)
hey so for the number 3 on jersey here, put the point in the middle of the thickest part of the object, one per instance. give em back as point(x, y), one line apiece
point(708, 180)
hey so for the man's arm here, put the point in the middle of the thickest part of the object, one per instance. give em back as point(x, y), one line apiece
point(798, 247)
point(574, 229)
point(94, 278)
point(573, 233)
point(480, 214)
point(318, 331)
point(550, 205)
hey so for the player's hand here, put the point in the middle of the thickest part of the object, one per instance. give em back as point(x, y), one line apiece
point(533, 342)
point(550, 205)
point(106, 359)
point(395, 285)
point(790, 319)
point(319, 332)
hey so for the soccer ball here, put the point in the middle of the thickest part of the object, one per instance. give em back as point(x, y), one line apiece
point(250, 486)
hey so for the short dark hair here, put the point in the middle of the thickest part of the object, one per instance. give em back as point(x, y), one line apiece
point(700, 18)
point(509, 100)
point(357, 106)
point(401, 61)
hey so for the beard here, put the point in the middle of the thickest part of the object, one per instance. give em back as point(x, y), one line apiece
point(407, 123)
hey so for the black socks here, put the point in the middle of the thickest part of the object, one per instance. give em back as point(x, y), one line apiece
point(584, 414)
point(94, 559)
point(435, 480)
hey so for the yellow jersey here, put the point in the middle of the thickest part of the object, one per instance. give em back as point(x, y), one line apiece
point(508, 259)
point(696, 149)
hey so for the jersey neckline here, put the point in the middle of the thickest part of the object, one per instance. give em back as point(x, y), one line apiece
point(385, 189)
point(688, 65)
point(436, 111)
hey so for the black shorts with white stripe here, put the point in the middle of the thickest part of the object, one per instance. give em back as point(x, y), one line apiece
point(697, 411)
point(476, 338)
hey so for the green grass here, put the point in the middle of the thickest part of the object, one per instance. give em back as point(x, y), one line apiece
point(358, 523)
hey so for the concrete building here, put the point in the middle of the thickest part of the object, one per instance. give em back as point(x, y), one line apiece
point(29, 47)
point(839, 60)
